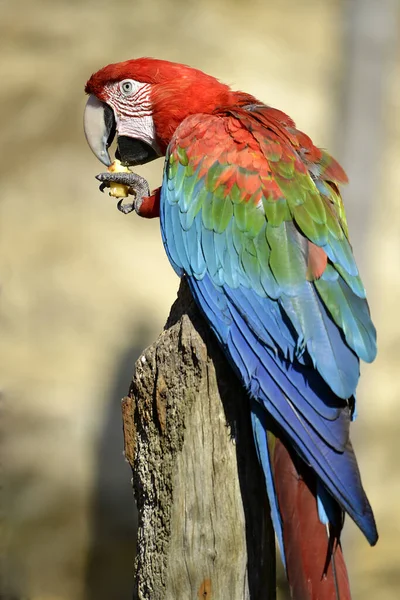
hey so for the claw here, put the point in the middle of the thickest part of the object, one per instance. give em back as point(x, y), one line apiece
point(137, 185)
point(135, 182)
point(125, 208)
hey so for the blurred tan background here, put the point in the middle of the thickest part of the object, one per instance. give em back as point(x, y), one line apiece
point(85, 288)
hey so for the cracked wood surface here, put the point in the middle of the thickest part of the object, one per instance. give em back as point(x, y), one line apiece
point(204, 526)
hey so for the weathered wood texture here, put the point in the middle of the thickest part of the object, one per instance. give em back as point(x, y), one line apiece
point(204, 526)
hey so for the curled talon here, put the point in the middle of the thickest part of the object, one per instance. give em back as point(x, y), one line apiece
point(134, 184)
point(125, 208)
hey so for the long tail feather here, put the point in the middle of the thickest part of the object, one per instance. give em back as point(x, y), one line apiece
point(314, 560)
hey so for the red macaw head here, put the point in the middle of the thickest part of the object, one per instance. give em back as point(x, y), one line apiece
point(143, 101)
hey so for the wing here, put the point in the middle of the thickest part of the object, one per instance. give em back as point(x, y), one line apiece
point(251, 213)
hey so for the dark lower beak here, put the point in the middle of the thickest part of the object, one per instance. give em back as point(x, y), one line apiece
point(99, 126)
point(134, 152)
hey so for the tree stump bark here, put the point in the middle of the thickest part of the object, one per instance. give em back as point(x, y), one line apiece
point(204, 524)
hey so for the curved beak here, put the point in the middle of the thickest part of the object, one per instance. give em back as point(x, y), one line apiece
point(99, 126)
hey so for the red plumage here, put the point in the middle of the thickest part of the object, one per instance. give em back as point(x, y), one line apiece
point(177, 91)
point(310, 567)
point(317, 261)
point(263, 147)
point(150, 207)
point(145, 70)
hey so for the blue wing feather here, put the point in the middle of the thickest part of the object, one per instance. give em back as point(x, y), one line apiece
point(297, 360)
point(324, 447)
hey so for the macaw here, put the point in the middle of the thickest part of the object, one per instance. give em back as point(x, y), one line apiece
point(251, 215)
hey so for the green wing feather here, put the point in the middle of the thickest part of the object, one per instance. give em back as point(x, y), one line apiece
point(261, 203)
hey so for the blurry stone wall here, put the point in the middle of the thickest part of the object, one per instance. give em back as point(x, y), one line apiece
point(84, 288)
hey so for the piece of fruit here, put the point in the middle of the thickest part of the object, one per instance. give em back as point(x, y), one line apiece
point(118, 190)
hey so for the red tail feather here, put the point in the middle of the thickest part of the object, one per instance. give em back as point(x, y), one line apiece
point(315, 572)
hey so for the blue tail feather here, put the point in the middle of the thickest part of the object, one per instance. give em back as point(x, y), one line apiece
point(258, 421)
point(317, 429)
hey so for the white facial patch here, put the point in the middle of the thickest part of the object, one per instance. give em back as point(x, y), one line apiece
point(141, 128)
point(133, 111)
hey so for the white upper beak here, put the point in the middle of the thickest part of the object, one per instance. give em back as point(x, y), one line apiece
point(99, 127)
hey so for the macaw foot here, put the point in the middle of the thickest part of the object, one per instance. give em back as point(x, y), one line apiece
point(137, 185)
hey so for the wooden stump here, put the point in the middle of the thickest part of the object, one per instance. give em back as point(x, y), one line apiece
point(204, 524)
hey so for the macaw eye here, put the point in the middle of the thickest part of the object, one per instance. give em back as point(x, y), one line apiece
point(126, 87)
